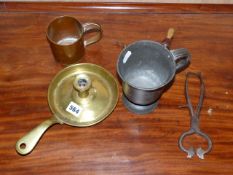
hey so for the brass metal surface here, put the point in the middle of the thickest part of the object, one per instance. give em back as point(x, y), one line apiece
point(65, 35)
point(92, 90)
point(99, 103)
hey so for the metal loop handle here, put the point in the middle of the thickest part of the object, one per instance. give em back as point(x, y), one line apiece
point(200, 152)
point(201, 95)
point(190, 152)
point(182, 58)
point(89, 28)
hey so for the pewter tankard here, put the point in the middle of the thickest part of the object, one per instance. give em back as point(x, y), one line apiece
point(146, 68)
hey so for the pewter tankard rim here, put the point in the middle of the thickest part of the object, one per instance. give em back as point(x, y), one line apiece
point(154, 88)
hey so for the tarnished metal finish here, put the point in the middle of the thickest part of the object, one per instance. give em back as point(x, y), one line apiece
point(139, 109)
point(194, 123)
point(65, 35)
point(140, 96)
point(79, 95)
point(178, 55)
point(147, 67)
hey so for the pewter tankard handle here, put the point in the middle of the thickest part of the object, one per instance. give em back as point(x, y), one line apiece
point(182, 58)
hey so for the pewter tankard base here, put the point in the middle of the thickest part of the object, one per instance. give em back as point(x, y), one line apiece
point(139, 109)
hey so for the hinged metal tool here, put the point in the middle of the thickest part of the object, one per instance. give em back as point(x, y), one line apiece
point(195, 120)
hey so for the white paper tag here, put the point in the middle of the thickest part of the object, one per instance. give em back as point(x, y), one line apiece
point(74, 109)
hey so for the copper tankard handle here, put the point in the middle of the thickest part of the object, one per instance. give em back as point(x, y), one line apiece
point(89, 28)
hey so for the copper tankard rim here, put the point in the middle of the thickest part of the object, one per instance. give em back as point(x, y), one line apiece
point(60, 17)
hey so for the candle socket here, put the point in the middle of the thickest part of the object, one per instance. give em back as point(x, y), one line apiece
point(82, 85)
